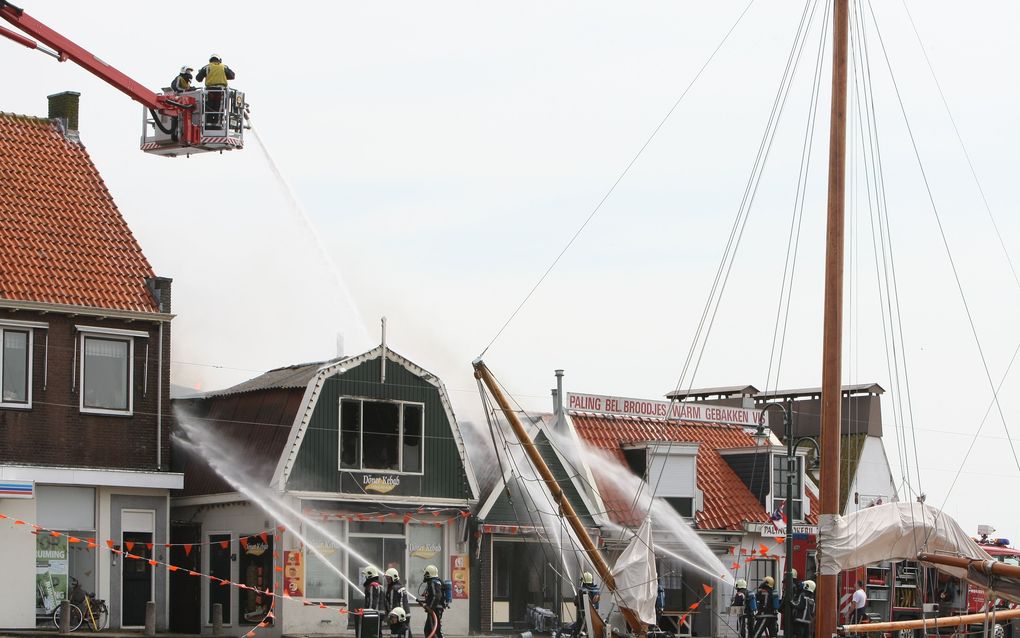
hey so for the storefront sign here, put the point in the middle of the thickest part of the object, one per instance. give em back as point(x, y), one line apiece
point(294, 573)
point(379, 484)
point(768, 530)
point(425, 550)
point(459, 574)
point(17, 489)
point(623, 406)
point(50, 571)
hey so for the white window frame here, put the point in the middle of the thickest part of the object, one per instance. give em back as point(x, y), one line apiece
point(109, 334)
point(19, 326)
point(361, 437)
point(778, 459)
point(309, 555)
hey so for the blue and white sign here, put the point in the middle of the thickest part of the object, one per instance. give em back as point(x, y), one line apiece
point(17, 489)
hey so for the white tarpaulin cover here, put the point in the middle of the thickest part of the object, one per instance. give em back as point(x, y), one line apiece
point(637, 583)
point(894, 531)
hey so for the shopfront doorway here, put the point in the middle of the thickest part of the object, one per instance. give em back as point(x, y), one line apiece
point(522, 575)
point(137, 529)
point(382, 545)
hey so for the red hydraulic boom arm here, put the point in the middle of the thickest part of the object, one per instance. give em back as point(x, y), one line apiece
point(64, 49)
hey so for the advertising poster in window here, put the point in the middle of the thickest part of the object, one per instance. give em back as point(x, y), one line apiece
point(459, 574)
point(50, 571)
point(256, 571)
point(294, 573)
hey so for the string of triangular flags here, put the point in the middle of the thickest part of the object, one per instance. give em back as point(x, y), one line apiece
point(708, 589)
point(756, 553)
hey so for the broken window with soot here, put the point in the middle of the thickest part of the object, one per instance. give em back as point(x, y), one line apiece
point(381, 435)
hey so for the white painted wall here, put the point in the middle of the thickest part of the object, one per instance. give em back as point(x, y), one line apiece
point(873, 478)
point(17, 555)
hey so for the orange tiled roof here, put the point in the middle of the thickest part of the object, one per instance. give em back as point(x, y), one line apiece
point(63, 240)
point(728, 501)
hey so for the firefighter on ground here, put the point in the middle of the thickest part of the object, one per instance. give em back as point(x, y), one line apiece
point(791, 593)
point(766, 625)
point(588, 589)
point(397, 598)
point(400, 626)
point(804, 611)
point(375, 597)
point(746, 606)
point(182, 82)
point(434, 601)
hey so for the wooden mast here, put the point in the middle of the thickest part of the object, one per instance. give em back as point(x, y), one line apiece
point(482, 372)
point(832, 346)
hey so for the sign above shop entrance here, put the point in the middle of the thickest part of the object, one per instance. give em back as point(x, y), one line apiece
point(623, 406)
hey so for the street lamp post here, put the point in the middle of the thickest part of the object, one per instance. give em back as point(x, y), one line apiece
point(791, 468)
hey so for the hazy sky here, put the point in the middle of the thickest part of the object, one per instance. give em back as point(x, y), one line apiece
point(445, 153)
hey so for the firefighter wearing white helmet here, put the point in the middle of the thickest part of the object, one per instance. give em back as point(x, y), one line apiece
point(586, 590)
point(400, 626)
point(182, 82)
point(434, 601)
point(744, 606)
point(396, 594)
point(373, 589)
point(804, 610)
point(767, 603)
point(791, 597)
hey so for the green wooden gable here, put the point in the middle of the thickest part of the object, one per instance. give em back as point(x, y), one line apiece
point(503, 512)
point(316, 467)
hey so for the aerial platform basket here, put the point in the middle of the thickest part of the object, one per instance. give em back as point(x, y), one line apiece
point(214, 120)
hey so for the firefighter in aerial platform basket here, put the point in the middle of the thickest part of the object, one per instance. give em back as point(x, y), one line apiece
point(182, 82)
point(215, 75)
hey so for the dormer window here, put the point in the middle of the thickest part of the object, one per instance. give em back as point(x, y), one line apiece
point(382, 436)
point(781, 466)
point(672, 471)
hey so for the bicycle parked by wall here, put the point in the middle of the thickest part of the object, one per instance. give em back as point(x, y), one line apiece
point(85, 609)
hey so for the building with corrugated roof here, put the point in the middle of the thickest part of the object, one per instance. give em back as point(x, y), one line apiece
point(366, 448)
point(84, 383)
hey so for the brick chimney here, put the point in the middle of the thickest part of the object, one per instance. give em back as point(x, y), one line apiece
point(159, 288)
point(64, 107)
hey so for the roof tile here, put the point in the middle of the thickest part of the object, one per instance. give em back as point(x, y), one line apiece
point(64, 241)
point(728, 502)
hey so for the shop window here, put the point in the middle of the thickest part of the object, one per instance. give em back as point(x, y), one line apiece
point(15, 368)
point(106, 374)
point(321, 580)
point(383, 552)
point(796, 509)
point(381, 435)
point(425, 547)
point(255, 569)
point(70, 510)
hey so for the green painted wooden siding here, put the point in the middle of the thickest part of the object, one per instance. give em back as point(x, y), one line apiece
point(503, 512)
point(316, 466)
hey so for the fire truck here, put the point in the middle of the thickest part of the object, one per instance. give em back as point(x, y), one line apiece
point(909, 590)
point(173, 124)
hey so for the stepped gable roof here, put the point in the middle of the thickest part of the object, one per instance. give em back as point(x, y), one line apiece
point(64, 241)
point(728, 503)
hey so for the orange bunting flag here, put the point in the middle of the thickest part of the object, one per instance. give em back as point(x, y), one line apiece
point(225, 544)
point(224, 583)
point(735, 566)
point(382, 518)
point(733, 550)
point(322, 605)
point(276, 554)
point(286, 594)
point(435, 512)
point(465, 514)
point(109, 544)
point(261, 624)
point(743, 550)
point(187, 549)
point(764, 550)
point(683, 619)
point(407, 517)
point(3, 516)
point(167, 545)
point(17, 522)
point(694, 606)
point(278, 568)
point(191, 573)
point(244, 542)
point(438, 524)
point(708, 588)
point(92, 544)
point(153, 562)
point(56, 534)
point(129, 544)
point(172, 568)
point(307, 603)
point(265, 537)
point(250, 634)
point(780, 540)
point(72, 539)
point(148, 546)
point(281, 528)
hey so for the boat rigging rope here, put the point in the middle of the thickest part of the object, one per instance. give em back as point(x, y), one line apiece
point(619, 179)
point(945, 241)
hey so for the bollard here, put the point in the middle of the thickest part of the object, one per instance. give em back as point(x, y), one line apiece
point(65, 616)
point(150, 618)
point(217, 619)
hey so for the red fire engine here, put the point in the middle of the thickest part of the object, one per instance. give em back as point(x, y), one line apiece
point(196, 121)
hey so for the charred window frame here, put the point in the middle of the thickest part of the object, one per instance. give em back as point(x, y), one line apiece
point(382, 436)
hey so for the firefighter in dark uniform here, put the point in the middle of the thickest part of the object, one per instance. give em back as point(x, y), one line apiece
point(433, 600)
point(400, 626)
point(588, 589)
point(182, 82)
point(804, 611)
point(747, 606)
point(396, 597)
point(768, 608)
point(215, 75)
